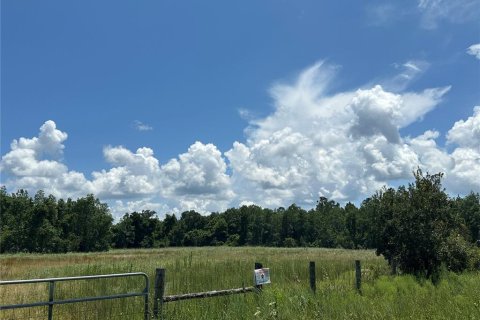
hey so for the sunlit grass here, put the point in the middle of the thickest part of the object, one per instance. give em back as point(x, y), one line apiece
point(288, 297)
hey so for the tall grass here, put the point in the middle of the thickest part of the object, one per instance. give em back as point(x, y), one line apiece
point(201, 269)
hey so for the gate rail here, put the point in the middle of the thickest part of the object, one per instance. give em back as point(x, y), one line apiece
point(51, 293)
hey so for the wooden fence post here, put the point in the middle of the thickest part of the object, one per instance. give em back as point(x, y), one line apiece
point(51, 297)
point(258, 265)
point(159, 292)
point(358, 275)
point(313, 280)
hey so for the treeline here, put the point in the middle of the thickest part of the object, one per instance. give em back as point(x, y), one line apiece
point(328, 225)
point(45, 224)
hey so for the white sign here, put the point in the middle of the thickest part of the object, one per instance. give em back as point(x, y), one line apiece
point(262, 276)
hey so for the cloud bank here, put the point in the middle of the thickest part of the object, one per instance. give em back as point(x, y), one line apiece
point(342, 145)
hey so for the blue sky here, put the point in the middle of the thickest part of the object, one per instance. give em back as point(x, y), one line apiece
point(206, 105)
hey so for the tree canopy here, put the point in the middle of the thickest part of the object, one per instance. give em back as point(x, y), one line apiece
point(419, 228)
point(45, 224)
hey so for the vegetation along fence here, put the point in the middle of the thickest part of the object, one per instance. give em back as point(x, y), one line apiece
point(139, 310)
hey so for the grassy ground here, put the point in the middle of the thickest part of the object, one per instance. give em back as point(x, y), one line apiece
point(201, 269)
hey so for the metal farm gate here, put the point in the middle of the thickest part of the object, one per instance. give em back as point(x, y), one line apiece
point(45, 307)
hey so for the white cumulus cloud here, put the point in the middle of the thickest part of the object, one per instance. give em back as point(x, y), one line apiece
point(197, 179)
point(133, 174)
point(36, 164)
point(342, 146)
point(465, 134)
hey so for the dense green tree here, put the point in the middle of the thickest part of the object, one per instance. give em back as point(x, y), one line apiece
point(367, 223)
point(123, 233)
point(92, 224)
point(43, 224)
point(270, 235)
point(177, 234)
point(45, 236)
point(330, 223)
point(243, 232)
point(16, 217)
point(193, 220)
point(169, 223)
point(468, 210)
point(136, 230)
point(232, 217)
point(289, 218)
point(352, 226)
point(67, 220)
point(218, 229)
point(417, 228)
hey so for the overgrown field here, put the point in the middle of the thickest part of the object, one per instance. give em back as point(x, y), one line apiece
point(201, 269)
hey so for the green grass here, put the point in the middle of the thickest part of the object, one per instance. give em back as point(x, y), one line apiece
point(202, 269)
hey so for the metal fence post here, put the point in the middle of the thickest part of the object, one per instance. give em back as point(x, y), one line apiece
point(159, 292)
point(358, 275)
point(146, 291)
point(313, 280)
point(51, 295)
